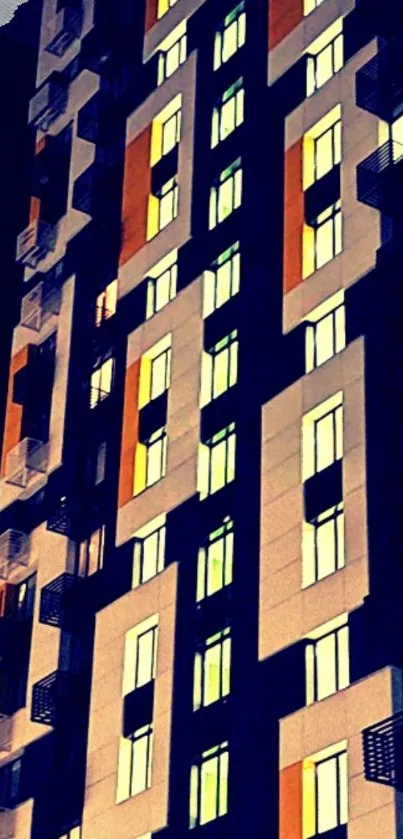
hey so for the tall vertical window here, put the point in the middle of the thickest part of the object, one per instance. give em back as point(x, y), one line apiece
point(226, 194)
point(324, 57)
point(323, 545)
point(228, 113)
point(230, 36)
point(140, 658)
point(155, 372)
point(163, 207)
point(222, 281)
point(91, 555)
point(327, 235)
point(149, 551)
point(219, 368)
point(172, 53)
point(209, 786)
point(322, 435)
point(325, 334)
point(106, 303)
point(215, 561)
point(212, 669)
point(327, 660)
point(166, 129)
point(101, 382)
point(156, 456)
point(161, 284)
point(322, 147)
point(134, 766)
point(325, 791)
point(217, 461)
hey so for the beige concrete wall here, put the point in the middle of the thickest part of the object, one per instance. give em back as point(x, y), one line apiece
point(182, 10)
point(182, 318)
point(286, 611)
point(47, 63)
point(361, 224)
point(148, 811)
point(343, 716)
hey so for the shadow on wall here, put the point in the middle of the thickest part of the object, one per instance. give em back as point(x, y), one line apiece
point(7, 10)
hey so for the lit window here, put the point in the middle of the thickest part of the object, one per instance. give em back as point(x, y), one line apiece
point(325, 334)
point(156, 456)
point(164, 6)
point(324, 57)
point(323, 545)
point(217, 461)
point(325, 791)
point(322, 146)
point(161, 288)
point(323, 240)
point(228, 113)
point(230, 37)
point(149, 551)
point(74, 833)
point(310, 5)
point(163, 207)
point(166, 130)
point(140, 656)
point(172, 53)
point(106, 303)
point(225, 194)
point(155, 371)
point(322, 435)
point(222, 280)
point(327, 660)
point(134, 766)
point(219, 368)
point(212, 670)
point(91, 556)
point(101, 382)
point(215, 561)
point(209, 786)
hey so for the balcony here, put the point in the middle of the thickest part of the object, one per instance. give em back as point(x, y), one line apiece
point(379, 83)
point(40, 304)
point(35, 242)
point(54, 601)
point(14, 551)
point(380, 179)
point(383, 751)
point(53, 696)
point(27, 459)
point(68, 28)
point(48, 103)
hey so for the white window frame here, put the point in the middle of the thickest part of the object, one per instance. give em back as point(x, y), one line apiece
point(230, 36)
point(215, 561)
point(226, 194)
point(228, 113)
point(222, 280)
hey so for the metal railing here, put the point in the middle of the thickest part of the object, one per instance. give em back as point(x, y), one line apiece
point(14, 551)
point(383, 751)
point(35, 242)
point(23, 461)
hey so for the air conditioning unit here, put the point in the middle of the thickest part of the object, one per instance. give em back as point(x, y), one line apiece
point(48, 103)
point(14, 551)
point(26, 459)
point(39, 304)
point(69, 22)
point(35, 242)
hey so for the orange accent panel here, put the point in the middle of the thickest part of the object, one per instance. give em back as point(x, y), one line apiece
point(129, 433)
point(136, 191)
point(291, 802)
point(34, 209)
point(293, 217)
point(284, 16)
point(151, 14)
point(12, 427)
point(40, 144)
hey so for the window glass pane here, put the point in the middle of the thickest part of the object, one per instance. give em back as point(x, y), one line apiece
point(209, 790)
point(215, 566)
point(230, 41)
point(124, 770)
point(340, 540)
point(212, 679)
point(343, 658)
point(325, 441)
point(326, 548)
point(326, 666)
point(339, 431)
point(218, 466)
point(326, 773)
point(324, 243)
point(324, 154)
point(223, 792)
point(227, 118)
point(226, 199)
point(223, 283)
point(220, 383)
point(343, 788)
point(140, 765)
point(231, 458)
point(229, 552)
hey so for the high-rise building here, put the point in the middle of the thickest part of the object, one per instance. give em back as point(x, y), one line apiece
point(201, 538)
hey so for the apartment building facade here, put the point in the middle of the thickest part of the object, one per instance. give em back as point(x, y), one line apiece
point(200, 494)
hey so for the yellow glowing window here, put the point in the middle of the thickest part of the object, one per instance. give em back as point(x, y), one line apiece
point(209, 786)
point(149, 550)
point(322, 436)
point(134, 763)
point(215, 560)
point(140, 657)
point(172, 52)
point(327, 660)
point(323, 550)
point(106, 303)
point(228, 113)
point(217, 462)
point(231, 36)
point(101, 382)
point(311, 5)
point(164, 6)
point(219, 368)
point(212, 670)
point(166, 129)
point(325, 57)
point(162, 283)
point(325, 334)
point(155, 371)
point(226, 194)
point(322, 147)
point(325, 790)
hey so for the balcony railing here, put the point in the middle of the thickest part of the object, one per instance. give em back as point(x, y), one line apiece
point(35, 242)
point(27, 459)
point(48, 103)
point(58, 693)
point(54, 599)
point(379, 83)
point(383, 751)
point(14, 551)
point(380, 179)
point(39, 304)
point(68, 27)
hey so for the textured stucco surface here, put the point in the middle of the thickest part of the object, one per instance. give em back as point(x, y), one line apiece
point(7, 9)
